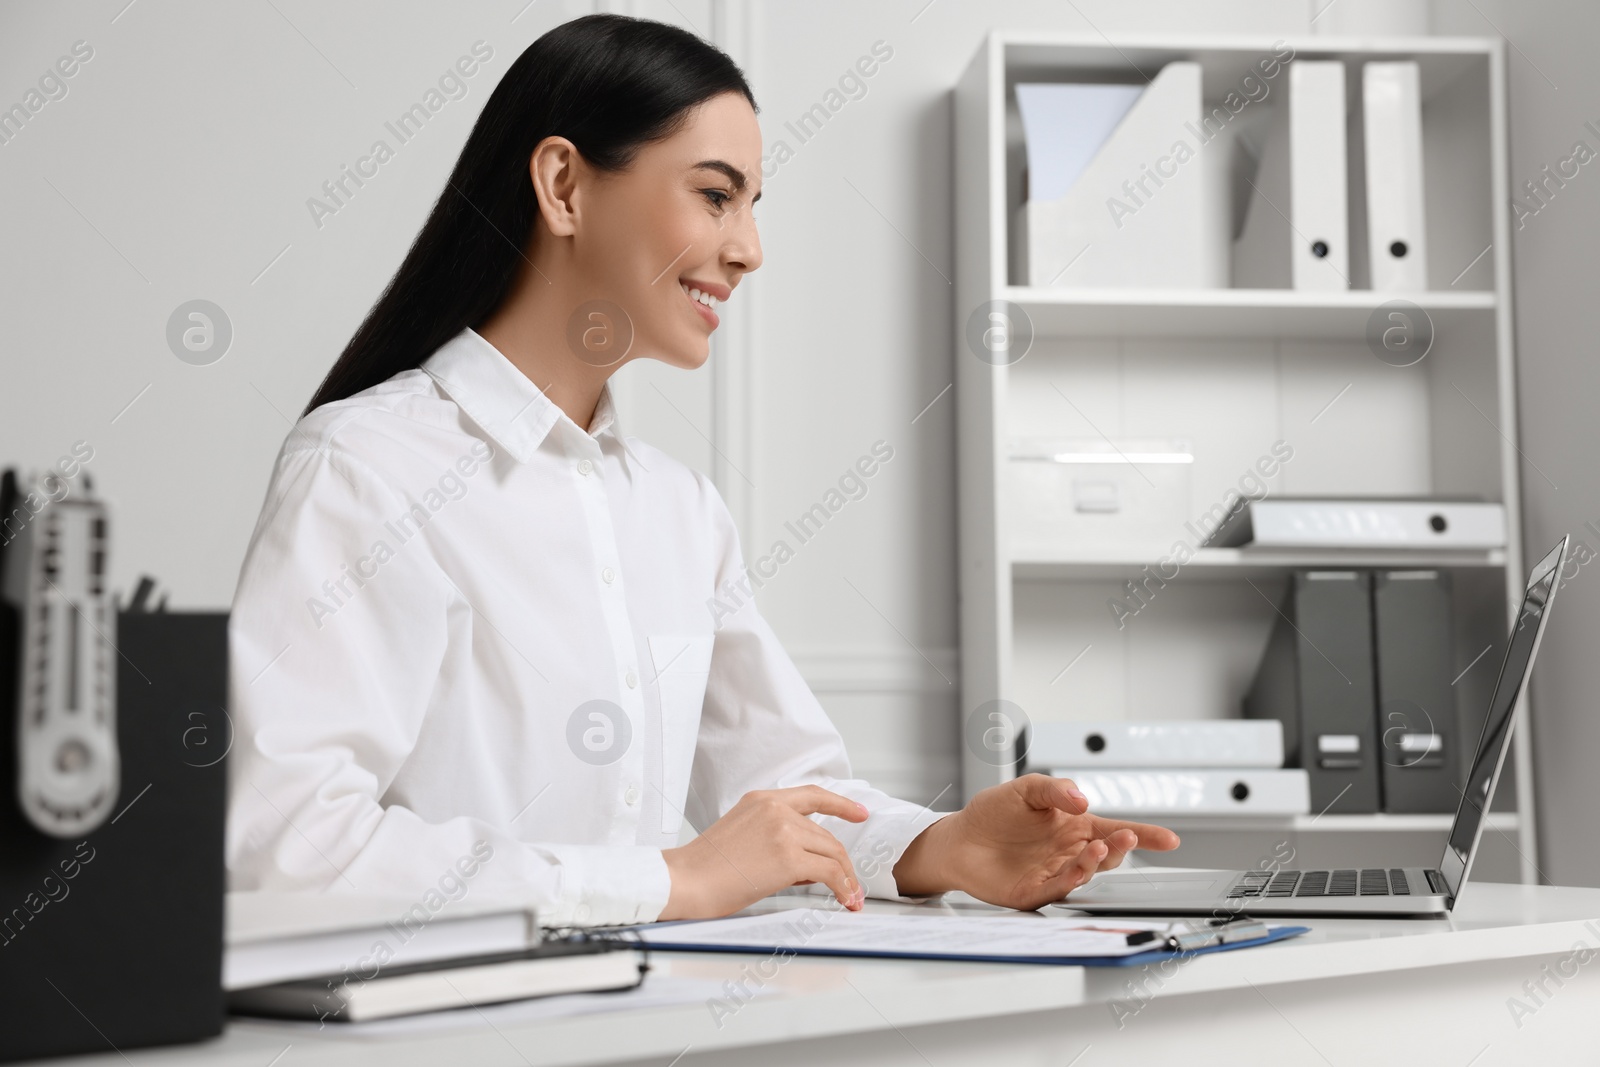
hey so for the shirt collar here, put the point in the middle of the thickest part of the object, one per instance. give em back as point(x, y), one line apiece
point(501, 399)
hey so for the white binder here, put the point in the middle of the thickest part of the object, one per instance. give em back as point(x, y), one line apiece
point(1377, 523)
point(1220, 743)
point(1136, 216)
point(1245, 791)
point(1396, 231)
point(1319, 209)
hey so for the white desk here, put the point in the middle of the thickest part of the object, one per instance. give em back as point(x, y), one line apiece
point(1353, 991)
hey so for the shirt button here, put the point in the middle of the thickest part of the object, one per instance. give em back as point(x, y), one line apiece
point(608, 575)
point(631, 796)
point(584, 466)
point(631, 678)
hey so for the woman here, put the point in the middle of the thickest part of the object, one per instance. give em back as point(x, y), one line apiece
point(471, 640)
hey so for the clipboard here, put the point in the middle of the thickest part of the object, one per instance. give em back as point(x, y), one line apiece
point(659, 936)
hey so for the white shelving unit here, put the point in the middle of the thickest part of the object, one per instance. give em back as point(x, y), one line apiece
point(1233, 371)
point(1360, 824)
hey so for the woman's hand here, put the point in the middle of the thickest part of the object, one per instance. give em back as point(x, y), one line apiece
point(763, 844)
point(1022, 844)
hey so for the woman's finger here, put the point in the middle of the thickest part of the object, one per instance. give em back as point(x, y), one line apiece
point(1043, 791)
point(1157, 838)
point(813, 799)
point(822, 843)
point(816, 868)
point(1118, 845)
point(1090, 858)
point(1075, 871)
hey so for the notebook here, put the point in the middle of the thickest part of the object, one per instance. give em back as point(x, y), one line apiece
point(278, 937)
point(575, 965)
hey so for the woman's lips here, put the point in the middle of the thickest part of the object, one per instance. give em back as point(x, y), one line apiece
point(706, 313)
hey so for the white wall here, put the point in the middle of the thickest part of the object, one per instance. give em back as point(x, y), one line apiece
point(179, 164)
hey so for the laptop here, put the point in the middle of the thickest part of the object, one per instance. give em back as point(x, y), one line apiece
point(1356, 890)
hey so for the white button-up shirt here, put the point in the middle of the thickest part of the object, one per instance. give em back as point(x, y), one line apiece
point(464, 625)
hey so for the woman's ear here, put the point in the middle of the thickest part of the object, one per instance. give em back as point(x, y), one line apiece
point(553, 168)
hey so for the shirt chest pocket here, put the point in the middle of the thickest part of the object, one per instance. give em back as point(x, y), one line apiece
point(682, 663)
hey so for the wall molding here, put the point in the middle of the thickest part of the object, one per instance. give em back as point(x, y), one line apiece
point(896, 713)
point(851, 669)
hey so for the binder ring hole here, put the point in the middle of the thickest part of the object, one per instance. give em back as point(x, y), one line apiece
point(1438, 523)
point(1398, 250)
point(1319, 249)
point(1240, 791)
point(1094, 743)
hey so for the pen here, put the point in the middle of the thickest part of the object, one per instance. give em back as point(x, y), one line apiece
point(1218, 932)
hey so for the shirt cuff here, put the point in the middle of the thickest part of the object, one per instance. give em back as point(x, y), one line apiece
point(607, 885)
point(886, 837)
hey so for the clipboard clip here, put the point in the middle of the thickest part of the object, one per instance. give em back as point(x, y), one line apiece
point(1213, 932)
point(1218, 932)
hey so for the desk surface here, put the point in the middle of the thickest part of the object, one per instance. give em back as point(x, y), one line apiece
point(812, 997)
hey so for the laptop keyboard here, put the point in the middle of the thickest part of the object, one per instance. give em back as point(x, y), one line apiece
point(1344, 882)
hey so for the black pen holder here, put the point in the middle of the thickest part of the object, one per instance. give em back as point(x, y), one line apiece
point(113, 940)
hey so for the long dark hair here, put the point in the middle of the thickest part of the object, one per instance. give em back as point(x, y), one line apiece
point(609, 83)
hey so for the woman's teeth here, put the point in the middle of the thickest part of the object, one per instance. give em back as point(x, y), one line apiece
point(694, 294)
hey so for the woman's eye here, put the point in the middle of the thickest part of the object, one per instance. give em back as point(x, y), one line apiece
point(716, 196)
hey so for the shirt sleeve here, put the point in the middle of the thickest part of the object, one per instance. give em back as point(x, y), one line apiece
point(338, 634)
point(761, 727)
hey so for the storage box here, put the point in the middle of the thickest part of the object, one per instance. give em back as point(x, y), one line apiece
point(1071, 494)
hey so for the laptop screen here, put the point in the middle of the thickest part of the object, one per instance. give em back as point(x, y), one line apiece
point(1497, 726)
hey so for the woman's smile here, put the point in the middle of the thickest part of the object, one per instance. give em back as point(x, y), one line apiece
point(705, 296)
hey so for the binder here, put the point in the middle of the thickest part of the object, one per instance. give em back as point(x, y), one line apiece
point(1192, 791)
point(1316, 678)
point(1331, 522)
point(1417, 722)
point(1396, 228)
point(1320, 257)
point(1296, 229)
point(1223, 743)
point(1136, 217)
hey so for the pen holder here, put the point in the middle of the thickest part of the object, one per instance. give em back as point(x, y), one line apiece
point(113, 940)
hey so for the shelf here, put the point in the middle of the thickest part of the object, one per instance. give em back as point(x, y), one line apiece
point(1235, 312)
point(1235, 564)
point(1504, 821)
point(1202, 364)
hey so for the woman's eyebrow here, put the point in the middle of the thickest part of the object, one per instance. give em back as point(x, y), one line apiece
point(728, 170)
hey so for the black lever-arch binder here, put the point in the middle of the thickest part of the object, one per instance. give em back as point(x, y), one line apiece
point(1316, 677)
